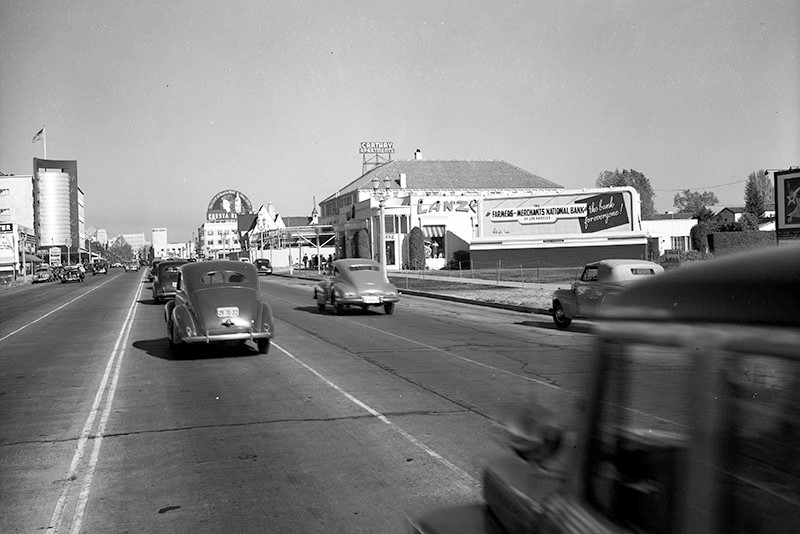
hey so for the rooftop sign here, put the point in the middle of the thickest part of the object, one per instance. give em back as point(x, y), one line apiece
point(376, 147)
point(227, 206)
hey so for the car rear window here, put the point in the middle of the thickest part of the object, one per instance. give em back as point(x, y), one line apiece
point(642, 271)
point(364, 267)
point(222, 277)
point(171, 268)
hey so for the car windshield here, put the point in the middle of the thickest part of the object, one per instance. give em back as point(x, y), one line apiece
point(222, 277)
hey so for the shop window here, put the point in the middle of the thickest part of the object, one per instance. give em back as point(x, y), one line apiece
point(390, 226)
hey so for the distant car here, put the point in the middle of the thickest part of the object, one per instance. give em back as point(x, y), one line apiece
point(43, 274)
point(599, 280)
point(356, 282)
point(263, 265)
point(690, 420)
point(116, 265)
point(218, 301)
point(99, 268)
point(165, 279)
point(71, 273)
point(131, 267)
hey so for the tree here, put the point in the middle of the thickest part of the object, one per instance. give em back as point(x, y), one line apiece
point(120, 251)
point(758, 192)
point(416, 249)
point(633, 179)
point(693, 202)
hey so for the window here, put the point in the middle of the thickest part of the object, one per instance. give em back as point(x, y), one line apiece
point(4, 192)
point(589, 274)
point(5, 212)
point(760, 479)
point(222, 277)
point(638, 448)
point(639, 271)
point(680, 243)
point(364, 267)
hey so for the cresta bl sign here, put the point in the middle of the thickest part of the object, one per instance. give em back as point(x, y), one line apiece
point(228, 205)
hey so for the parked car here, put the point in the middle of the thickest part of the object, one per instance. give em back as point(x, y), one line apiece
point(691, 421)
point(151, 271)
point(71, 273)
point(599, 280)
point(218, 301)
point(263, 265)
point(43, 274)
point(165, 279)
point(99, 268)
point(356, 282)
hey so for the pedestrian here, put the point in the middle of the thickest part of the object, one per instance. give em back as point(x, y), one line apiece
point(305, 261)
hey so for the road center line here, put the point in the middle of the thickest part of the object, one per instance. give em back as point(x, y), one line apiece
point(468, 483)
point(21, 328)
point(117, 352)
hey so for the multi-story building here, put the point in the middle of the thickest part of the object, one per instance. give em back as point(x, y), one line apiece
point(58, 212)
point(160, 243)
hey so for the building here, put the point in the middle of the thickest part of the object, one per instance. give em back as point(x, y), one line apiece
point(58, 207)
point(668, 231)
point(136, 241)
point(160, 243)
point(219, 236)
point(16, 199)
point(439, 197)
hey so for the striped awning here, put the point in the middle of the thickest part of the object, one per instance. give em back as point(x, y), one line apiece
point(433, 231)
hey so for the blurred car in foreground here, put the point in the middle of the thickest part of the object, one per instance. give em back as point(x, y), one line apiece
point(263, 265)
point(691, 422)
point(599, 280)
point(165, 279)
point(43, 274)
point(218, 301)
point(356, 282)
point(71, 273)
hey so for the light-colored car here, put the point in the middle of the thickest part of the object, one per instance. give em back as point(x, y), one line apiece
point(165, 279)
point(218, 301)
point(132, 267)
point(43, 274)
point(356, 282)
point(690, 422)
point(599, 280)
point(71, 273)
point(99, 268)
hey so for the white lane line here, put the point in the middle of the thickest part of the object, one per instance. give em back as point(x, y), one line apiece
point(468, 483)
point(21, 328)
point(116, 355)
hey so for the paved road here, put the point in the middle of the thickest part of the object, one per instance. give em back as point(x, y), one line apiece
point(351, 424)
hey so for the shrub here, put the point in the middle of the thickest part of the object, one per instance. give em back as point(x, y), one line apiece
point(416, 249)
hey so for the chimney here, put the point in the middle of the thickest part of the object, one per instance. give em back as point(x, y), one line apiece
point(417, 155)
point(403, 183)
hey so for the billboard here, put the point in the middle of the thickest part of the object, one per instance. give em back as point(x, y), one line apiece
point(576, 212)
point(228, 205)
point(787, 206)
point(376, 147)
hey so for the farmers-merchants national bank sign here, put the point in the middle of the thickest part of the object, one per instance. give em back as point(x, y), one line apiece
point(560, 213)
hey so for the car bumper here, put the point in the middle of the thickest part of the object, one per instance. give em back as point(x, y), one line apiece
point(360, 301)
point(238, 336)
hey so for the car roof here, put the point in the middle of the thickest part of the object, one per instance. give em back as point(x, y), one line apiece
point(354, 261)
point(192, 271)
point(756, 287)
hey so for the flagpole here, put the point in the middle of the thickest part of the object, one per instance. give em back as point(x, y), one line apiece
point(44, 138)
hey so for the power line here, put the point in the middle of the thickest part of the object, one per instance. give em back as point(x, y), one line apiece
point(701, 187)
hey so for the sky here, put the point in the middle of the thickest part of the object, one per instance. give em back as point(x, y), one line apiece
point(165, 104)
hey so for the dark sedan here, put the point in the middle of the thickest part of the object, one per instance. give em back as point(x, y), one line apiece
point(165, 279)
point(218, 301)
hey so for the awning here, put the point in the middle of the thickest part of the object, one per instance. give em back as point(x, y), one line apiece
point(433, 231)
point(33, 259)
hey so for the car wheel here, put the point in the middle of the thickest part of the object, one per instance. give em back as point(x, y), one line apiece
point(560, 317)
point(320, 307)
point(263, 345)
point(338, 309)
point(388, 308)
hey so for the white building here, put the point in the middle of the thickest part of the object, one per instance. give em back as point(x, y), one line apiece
point(669, 231)
point(159, 243)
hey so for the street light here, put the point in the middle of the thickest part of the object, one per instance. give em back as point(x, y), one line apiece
point(381, 192)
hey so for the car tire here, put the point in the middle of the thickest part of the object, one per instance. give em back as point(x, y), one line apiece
point(338, 309)
point(560, 317)
point(320, 307)
point(263, 345)
point(388, 308)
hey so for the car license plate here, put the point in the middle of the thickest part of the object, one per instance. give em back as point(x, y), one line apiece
point(370, 299)
point(228, 312)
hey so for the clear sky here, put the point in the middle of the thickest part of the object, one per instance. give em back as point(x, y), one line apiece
point(165, 103)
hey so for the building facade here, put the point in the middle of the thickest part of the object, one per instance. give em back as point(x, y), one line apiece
point(159, 241)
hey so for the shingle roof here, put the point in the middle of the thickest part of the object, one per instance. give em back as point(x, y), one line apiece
point(454, 174)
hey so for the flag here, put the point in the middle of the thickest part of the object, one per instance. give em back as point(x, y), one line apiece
point(39, 136)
